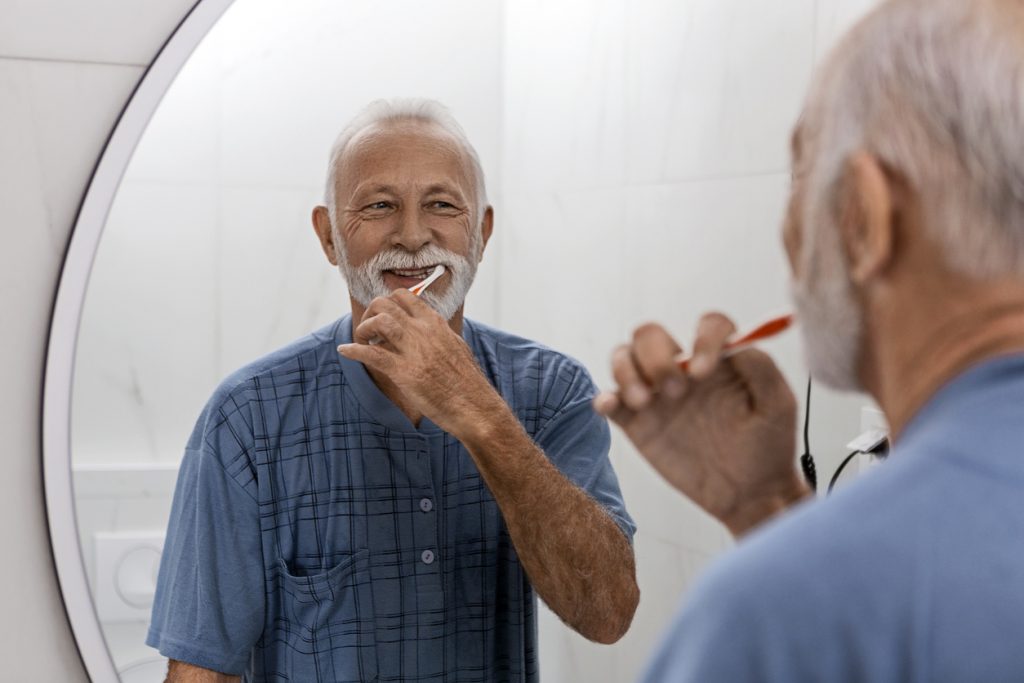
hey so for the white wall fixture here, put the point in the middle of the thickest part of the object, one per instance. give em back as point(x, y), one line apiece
point(126, 568)
point(63, 331)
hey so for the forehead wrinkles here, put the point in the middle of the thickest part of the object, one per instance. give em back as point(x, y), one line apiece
point(408, 152)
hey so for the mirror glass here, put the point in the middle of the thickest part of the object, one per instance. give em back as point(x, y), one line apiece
point(635, 154)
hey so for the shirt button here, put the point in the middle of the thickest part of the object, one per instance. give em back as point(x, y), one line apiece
point(427, 557)
point(426, 505)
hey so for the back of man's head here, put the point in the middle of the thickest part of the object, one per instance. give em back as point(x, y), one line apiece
point(934, 90)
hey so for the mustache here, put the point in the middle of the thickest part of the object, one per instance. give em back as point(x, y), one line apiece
point(397, 258)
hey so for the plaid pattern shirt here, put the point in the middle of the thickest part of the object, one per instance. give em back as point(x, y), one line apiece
point(317, 535)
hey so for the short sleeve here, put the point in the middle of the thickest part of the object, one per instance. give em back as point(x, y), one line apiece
point(577, 440)
point(209, 603)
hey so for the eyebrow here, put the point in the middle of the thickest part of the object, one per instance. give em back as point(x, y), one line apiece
point(374, 189)
point(441, 188)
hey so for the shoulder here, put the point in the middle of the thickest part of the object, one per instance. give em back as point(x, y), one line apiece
point(304, 355)
point(802, 597)
point(294, 364)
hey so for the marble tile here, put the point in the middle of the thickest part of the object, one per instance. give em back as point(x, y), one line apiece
point(285, 99)
point(93, 515)
point(565, 117)
point(146, 356)
point(181, 143)
point(567, 656)
point(665, 572)
point(709, 245)
point(275, 285)
point(118, 31)
point(714, 86)
point(56, 118)
point(562, 269)
point(143, 514)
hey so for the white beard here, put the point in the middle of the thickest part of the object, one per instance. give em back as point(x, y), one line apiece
point(366, 282)
point(831, 323)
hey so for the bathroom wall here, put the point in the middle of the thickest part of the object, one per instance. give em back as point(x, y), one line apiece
point(66, 69)
point(637, 161)
point(645, 173)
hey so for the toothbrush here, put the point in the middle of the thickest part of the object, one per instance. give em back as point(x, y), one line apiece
point(418, 290)
point(766, 330)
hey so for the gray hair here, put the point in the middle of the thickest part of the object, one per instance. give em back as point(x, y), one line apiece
point(402, 110)
point(934, 89)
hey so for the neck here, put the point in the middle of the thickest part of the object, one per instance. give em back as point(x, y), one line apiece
point(386, 386)
point(914, 350)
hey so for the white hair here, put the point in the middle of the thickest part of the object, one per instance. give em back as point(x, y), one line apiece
point(934, 89)
point(400, 110)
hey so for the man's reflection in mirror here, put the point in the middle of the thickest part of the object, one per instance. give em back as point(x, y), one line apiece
point(386, 497)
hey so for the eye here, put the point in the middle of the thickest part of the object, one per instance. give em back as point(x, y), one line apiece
point(441, 204)
point(379, 205)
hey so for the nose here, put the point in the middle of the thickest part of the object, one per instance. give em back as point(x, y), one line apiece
point(411, 234)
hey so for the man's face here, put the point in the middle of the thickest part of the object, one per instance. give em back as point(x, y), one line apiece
point(831, 322)
point(405, 203)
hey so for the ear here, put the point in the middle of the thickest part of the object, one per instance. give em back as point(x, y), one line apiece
point(867, 221)
point(486, 228)
point(322, 226)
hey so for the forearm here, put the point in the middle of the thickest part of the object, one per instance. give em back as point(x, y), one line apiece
point(181, 672)
point(578, 559)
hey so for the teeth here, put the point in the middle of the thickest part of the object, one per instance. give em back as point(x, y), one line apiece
point(412, 273)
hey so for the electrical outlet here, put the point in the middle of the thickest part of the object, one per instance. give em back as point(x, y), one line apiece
point(871, 419)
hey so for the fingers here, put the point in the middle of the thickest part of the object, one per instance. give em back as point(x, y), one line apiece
point(654, 352)
point(765, 383)
point(382, 326)
point(606, 403)
point(410, 303)
point(713, 334)
point(632, 388)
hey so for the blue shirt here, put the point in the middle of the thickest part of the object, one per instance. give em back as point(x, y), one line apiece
point(317, 535)
point(915, 573)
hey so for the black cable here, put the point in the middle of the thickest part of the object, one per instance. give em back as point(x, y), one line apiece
point(839, 470)
point(807, 460)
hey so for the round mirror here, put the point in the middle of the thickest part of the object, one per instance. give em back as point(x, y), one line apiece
point(635, 154)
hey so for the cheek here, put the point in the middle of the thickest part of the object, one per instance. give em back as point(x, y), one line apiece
point(357, 235)
point(792, 233)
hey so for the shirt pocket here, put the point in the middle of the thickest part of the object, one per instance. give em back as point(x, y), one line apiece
point(327, 622)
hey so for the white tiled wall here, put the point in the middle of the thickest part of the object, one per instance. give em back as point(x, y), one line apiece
point(60, 93)
point(645, 172)
point(637, 158)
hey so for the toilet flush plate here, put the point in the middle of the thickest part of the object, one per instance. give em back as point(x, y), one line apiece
point(126, 568)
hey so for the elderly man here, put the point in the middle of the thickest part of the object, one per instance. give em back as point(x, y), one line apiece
point(905, 235)
point(381, 499)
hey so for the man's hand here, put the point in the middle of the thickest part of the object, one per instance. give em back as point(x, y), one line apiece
point(430, 364)
point(723, 433)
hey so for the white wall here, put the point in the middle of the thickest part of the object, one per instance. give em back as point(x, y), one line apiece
point(66, 69)
point(664, 173)
point(646, 169)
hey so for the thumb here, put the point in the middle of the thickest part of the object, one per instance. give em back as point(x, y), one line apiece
point(371, 356)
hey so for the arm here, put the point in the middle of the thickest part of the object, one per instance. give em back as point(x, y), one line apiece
point(577, 558)
point(723, 434)
point(180, 672)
